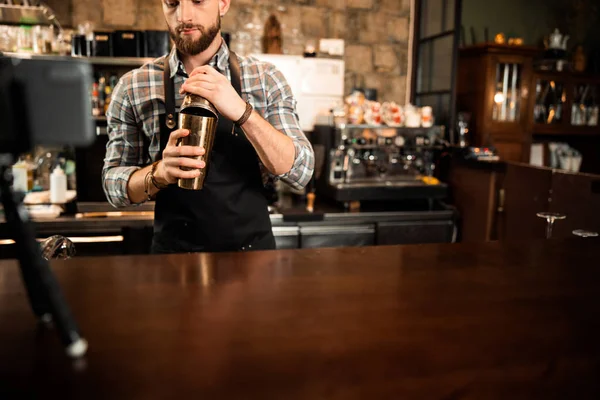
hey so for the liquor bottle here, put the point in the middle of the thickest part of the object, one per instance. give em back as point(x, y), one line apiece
point(107, 96)
point(101, 94)
point(95, 100)
point(113, 80)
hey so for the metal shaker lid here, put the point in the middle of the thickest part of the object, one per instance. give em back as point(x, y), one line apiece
point(198, 105)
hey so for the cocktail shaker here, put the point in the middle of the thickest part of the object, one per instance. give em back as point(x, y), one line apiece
point(200, 117)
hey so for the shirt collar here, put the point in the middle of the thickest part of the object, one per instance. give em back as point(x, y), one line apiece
point(220, 60)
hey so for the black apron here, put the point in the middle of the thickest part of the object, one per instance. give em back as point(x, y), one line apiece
point(231, 212)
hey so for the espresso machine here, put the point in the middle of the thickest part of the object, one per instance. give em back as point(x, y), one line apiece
point(378, 163)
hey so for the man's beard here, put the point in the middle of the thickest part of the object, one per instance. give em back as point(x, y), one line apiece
point(187, 45)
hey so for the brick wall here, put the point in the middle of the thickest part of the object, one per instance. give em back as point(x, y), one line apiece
point(375, 31)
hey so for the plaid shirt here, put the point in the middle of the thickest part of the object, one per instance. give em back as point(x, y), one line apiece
point(138, 100)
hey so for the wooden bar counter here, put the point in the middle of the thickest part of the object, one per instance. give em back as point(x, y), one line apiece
point(478, 321)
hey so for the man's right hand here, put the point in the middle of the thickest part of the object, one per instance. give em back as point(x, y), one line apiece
point(168, 170)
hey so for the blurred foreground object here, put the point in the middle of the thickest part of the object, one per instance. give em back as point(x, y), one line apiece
point(57, 247)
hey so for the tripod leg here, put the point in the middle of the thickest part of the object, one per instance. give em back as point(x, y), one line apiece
point(39, 303)
point(45, 296)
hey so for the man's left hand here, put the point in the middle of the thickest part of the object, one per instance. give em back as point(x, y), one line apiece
point(207, 82)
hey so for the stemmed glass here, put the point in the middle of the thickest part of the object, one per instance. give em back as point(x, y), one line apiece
point(57, 247)
point(550, 218)
point(585, 234)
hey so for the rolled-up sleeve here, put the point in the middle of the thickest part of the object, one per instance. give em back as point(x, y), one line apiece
point(282, 115)
point(124, 149)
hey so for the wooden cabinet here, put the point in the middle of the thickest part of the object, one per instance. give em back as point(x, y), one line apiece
point(494, 87)
point(565, 108)
point(500, 201)
point(513, 105)
point(564, 104)
point(476, 193)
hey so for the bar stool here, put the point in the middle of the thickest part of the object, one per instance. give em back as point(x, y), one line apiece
point(550, 218)
point(57, 247)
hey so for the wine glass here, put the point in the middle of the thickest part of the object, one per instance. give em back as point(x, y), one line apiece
point(550, 218)
point(585, 234)
point(57, 247)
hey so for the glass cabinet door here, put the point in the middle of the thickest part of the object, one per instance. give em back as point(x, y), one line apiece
point(584, 110)
point(507, 95)
point(550, 98)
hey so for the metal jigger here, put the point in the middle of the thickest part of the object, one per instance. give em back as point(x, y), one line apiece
point(200, 117)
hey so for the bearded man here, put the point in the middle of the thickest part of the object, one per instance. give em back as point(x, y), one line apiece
point(258, 138)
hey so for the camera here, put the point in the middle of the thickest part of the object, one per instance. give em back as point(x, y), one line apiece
point(44, 101)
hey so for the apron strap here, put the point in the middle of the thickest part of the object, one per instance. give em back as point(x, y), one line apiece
point(234, 65)
point(236, 82)
point(169, 96)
